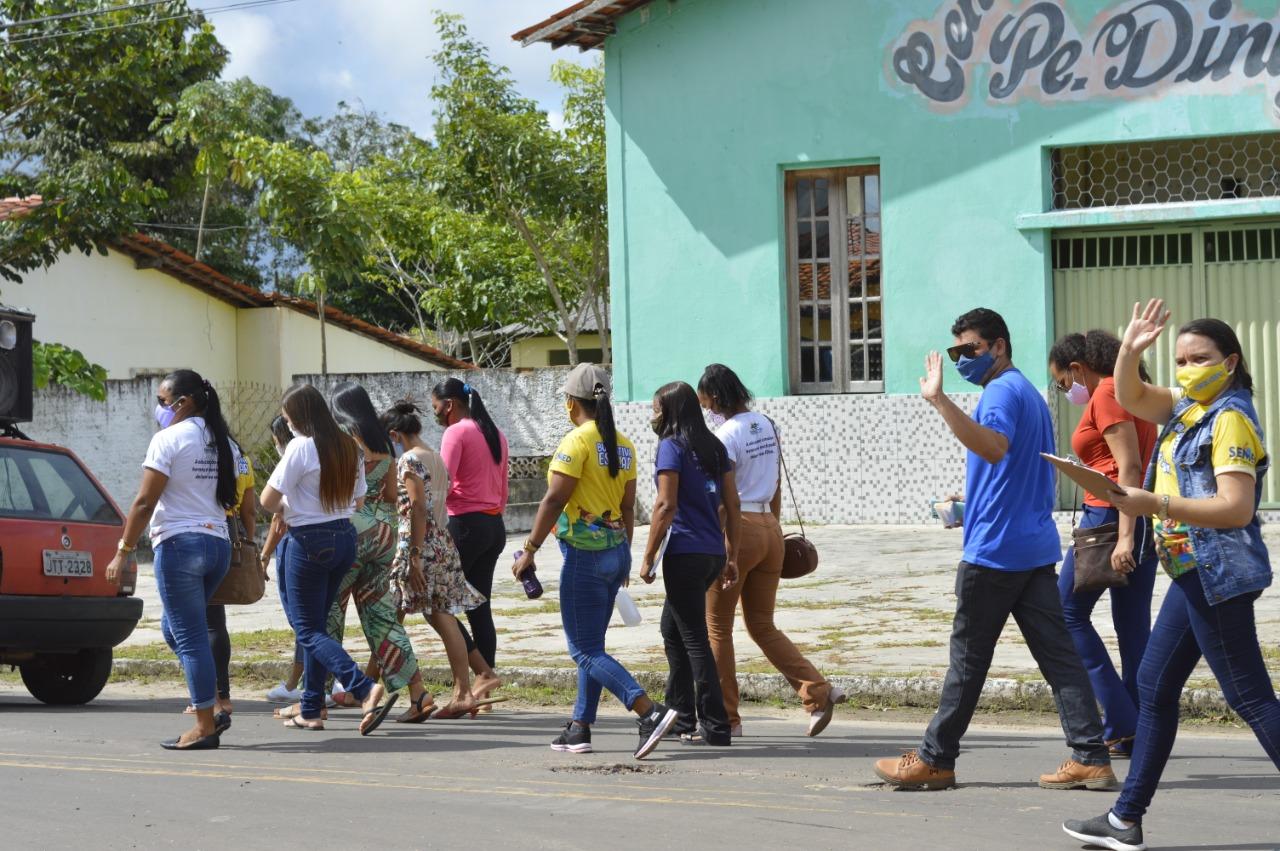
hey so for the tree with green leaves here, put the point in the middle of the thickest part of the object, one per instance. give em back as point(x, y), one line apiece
point(499, 157)
point(78, 96)
point(206, 117)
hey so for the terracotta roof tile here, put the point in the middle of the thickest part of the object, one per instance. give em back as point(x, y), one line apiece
point(12, 208)
point(585, 24)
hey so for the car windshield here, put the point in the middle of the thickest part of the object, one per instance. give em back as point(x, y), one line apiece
point(36, 484)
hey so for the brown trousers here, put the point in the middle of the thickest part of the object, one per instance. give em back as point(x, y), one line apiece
point(759, 571)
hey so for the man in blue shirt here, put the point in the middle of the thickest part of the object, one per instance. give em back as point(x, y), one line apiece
point(1010, 549)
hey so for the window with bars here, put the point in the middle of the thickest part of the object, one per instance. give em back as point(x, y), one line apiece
point(834, 280)
point(1164, 171)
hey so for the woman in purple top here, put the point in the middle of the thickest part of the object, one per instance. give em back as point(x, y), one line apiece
point(694, 477)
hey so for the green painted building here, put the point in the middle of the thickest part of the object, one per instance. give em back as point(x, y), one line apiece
point(811, 190)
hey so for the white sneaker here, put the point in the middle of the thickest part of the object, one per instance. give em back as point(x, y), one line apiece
point(280, 694)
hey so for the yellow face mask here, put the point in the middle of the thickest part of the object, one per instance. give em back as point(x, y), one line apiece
point(1203, 383)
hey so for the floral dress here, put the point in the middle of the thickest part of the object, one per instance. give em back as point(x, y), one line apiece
point(368, 584)
point(447, 588)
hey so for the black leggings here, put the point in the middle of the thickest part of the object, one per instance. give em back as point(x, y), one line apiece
point(220, 641)
point(693, 684)
point(481, 539)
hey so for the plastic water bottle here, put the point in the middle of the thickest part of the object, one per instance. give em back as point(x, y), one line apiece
point(529, 579)
point(627, 608)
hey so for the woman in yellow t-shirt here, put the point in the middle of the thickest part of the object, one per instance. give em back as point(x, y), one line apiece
point(1203, 487)
point(590, 504)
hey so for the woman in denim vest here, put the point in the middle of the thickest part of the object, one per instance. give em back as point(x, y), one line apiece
point(1203, 488)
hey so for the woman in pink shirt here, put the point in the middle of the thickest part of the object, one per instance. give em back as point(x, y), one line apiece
point(475, 451)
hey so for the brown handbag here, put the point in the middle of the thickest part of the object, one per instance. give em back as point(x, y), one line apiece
point(244, 583)
point(799, 555)
point(1092, 548)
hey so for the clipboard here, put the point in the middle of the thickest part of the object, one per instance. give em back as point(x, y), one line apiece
point(662, 551)
point(1086, 477)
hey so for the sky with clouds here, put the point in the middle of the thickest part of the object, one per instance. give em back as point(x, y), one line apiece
point(377, 52)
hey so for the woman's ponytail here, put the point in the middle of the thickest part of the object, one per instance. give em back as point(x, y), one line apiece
point(608, 430)
point(461, 391)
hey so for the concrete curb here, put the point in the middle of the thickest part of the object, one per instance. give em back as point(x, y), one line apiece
point(888, 691)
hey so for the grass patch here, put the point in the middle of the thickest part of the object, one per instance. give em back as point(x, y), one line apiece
point(929, 642)
point(273, 640)
point(545, 607)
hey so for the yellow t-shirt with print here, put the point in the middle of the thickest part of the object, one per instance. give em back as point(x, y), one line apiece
point(1236, 449)
point(244, 481)
point(592, 519)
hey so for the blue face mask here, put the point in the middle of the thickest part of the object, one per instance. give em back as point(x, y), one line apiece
point(973, 370)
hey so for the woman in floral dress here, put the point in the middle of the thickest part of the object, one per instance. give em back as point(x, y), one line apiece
point(426, 572)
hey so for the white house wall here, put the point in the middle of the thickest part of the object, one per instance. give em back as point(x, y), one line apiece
point(130, 320)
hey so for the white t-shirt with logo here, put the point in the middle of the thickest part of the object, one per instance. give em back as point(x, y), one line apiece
point(297, 478)
point(185, 452)
point(752, 445)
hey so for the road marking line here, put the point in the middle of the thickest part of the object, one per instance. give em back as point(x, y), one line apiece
point(498, 792)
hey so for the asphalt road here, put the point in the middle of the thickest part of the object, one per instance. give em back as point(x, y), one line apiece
point(93, 777)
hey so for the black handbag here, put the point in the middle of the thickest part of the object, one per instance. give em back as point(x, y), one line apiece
point(1093, 548)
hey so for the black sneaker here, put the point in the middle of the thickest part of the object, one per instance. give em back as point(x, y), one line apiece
point(576, 738)
point(1098, 831)
point(653, 727)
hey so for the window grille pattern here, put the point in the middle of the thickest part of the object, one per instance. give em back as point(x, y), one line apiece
point(1234, 246)
point(1160, 172)
point(1111, 251)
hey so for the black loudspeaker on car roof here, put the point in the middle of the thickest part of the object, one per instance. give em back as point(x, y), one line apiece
point(15, 366)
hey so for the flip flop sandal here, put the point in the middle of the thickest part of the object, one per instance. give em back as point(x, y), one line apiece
point(297, 722)
point(421, 710)
point(373, 718)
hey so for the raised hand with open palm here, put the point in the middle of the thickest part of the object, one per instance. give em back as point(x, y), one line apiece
point(1146, 325)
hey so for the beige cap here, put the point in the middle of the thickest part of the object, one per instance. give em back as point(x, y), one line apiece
point(584, 380)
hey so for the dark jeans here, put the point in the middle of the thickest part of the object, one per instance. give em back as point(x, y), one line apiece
point(283, 589)
point(480, 539)
point(693, 684)
point(1131, 616)
point(985, 598)
point(316, 559)
point(1187, 628)
point(589, 583)
point(220, 642)
point(189, 567)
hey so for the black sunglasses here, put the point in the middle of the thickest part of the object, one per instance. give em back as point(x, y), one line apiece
point(967, 350)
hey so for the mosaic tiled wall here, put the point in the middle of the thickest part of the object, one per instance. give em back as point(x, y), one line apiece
point(853, 458)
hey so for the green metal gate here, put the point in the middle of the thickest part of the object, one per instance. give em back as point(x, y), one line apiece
point(1231, 272)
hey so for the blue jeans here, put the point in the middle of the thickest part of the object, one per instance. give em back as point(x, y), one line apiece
point(189, 567)
point(282, 588)
point(1186, 628)
point(589, 582)
point(1131, 616)
point(316, 559)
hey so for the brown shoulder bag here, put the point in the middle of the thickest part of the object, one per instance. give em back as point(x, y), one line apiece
point(799, 555)
point(244, 583)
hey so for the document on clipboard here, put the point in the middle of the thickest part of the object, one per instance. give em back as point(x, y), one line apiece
point(1086, 477)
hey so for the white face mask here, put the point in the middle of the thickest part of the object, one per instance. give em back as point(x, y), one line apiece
point(1078, 394)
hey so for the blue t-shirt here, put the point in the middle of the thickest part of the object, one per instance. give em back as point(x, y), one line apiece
point(1008, 511)
point(696, 528)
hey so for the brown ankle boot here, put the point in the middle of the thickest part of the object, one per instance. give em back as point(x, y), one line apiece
point(909, 771)
point(1074, 775)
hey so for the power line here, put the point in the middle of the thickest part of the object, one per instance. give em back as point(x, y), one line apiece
point(249, 4)
point(81, 14)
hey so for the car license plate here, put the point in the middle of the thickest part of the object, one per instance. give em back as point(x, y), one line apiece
point(68, 563)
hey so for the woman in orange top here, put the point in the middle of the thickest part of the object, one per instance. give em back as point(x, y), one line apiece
point(1117, 444)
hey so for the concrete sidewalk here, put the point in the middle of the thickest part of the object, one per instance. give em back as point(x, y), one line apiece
point(880, 603)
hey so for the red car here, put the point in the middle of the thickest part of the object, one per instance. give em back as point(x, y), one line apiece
point(59, 616)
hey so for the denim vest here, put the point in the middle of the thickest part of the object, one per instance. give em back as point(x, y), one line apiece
point(1231, 562)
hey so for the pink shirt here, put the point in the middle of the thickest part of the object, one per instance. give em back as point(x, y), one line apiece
point(476, 483)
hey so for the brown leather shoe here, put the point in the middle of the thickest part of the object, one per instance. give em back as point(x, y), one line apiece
point(1074, 775)
point(909, 771)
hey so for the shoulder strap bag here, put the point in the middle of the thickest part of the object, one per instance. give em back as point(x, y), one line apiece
point(244, 583)
point(1092, 548)
point(800, 556)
